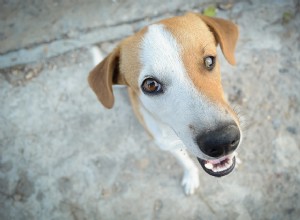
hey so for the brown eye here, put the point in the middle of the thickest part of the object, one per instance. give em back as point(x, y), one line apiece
point(151, 86)
point(209, 62)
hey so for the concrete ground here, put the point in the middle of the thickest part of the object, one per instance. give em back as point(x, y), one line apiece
point(63, 156)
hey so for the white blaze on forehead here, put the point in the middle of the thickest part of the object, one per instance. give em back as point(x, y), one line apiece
point(160, 52)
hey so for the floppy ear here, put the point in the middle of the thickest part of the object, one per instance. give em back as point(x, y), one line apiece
point(104, 75)
point(226, 34)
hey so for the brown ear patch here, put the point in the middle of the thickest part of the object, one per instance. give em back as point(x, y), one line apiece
point(226, 34)
point(103, 76)
point(197, 39)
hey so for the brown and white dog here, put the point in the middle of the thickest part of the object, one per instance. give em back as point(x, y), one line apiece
point(173, 78)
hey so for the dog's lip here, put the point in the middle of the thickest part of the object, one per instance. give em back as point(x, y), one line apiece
point(219, 169)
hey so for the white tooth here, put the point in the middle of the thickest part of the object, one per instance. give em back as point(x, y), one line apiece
point(218, 169)
point(230, 162)
point(209, 166)
point(226, 166)
point(221, 168)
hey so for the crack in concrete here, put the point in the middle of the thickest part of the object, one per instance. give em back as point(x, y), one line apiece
point(88, 30)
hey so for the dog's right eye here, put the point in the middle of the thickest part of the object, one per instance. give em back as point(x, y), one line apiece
point(209, 62)
point(151, 86)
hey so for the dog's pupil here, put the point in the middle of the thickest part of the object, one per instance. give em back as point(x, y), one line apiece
point(208, 62)
point(151, 85)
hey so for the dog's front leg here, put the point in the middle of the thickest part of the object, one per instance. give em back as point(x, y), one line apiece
point(167, 140)
point(190, 180)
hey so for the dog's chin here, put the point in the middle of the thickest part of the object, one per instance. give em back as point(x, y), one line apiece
point(218, 167)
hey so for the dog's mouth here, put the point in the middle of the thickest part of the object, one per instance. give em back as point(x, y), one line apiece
point(218, 167)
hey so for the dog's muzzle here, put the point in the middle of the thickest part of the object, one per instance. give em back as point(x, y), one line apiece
point(219, 144)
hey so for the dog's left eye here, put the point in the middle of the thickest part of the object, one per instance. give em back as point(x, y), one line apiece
point(151, 86)
point(209, 62)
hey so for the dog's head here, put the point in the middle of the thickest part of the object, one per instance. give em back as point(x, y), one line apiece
point(172, 66)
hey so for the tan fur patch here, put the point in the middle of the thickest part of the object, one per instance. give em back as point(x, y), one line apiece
point(197, 42)
point(130, 67)
point(130, 64)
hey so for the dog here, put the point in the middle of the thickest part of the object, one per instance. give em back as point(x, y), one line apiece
point(173, 77)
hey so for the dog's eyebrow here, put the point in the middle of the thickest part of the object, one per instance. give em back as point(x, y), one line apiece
point(204, 48)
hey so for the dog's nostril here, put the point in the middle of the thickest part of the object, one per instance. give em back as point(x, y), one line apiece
point(213, 151)
point(233, 142)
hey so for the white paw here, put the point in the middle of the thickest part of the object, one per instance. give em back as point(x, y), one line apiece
point(190, 180)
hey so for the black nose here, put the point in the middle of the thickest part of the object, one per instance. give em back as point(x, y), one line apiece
point(219, 142)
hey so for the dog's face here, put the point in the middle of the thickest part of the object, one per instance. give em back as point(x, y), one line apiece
point(173, 68)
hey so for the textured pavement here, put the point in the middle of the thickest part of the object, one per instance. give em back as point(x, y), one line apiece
point(63, 156)
point(39, 29)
